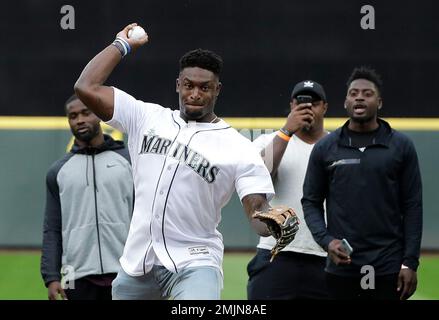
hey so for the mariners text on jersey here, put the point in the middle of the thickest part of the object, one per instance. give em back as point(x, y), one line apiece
point(180, 152)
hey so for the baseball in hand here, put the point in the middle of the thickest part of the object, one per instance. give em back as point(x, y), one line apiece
point(136, 33)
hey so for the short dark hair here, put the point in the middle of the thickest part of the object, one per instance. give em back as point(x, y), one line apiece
point(73, 97)
point(204, 59)
point(367, 73)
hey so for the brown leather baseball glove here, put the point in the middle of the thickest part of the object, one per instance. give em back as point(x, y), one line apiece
point(283, 225)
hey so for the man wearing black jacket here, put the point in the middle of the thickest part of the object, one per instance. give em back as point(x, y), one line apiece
point(88, 211)
point(368, 173)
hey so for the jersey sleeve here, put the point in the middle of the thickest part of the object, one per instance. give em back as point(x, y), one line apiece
point(252, 176)
point(129, 113)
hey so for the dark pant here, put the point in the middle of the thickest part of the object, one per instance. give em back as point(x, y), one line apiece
point(87, 290)
point(291, 275)
point(349, 288)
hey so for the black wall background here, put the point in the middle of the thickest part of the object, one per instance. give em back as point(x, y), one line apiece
point(267, 47)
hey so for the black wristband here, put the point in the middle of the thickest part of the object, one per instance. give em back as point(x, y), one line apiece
point(120, 47)
point(286, 132)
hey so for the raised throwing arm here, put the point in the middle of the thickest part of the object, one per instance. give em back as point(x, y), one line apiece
point(90, 87)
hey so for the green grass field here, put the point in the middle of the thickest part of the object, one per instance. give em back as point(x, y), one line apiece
point(20, 277)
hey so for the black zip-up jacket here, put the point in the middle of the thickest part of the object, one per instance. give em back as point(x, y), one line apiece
point(373, 199)
point(90, 195)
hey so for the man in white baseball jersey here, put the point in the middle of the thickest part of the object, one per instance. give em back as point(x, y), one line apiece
point(186, 165)
point(298, 270)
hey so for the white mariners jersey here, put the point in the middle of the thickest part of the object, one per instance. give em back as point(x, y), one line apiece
point(184, 174)
point(289, 191)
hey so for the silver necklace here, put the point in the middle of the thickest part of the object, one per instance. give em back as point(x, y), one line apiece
point(214, 119)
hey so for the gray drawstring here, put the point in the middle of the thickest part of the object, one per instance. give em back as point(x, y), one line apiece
point(86, 169)
point(94, 171)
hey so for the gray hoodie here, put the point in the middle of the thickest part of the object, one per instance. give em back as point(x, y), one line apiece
point(90, 195)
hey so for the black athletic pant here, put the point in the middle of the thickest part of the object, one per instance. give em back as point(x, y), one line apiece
point(291, 275)
point(87, 290)
point(349, 288)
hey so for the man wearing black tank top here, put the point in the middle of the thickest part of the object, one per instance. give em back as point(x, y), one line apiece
point(368, 173)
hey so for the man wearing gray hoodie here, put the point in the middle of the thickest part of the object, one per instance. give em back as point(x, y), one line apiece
point(88, 210)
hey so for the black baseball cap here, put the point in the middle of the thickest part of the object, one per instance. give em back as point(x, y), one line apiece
point(310, 87)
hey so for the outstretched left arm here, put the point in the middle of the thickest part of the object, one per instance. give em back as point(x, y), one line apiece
point(252, 203)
